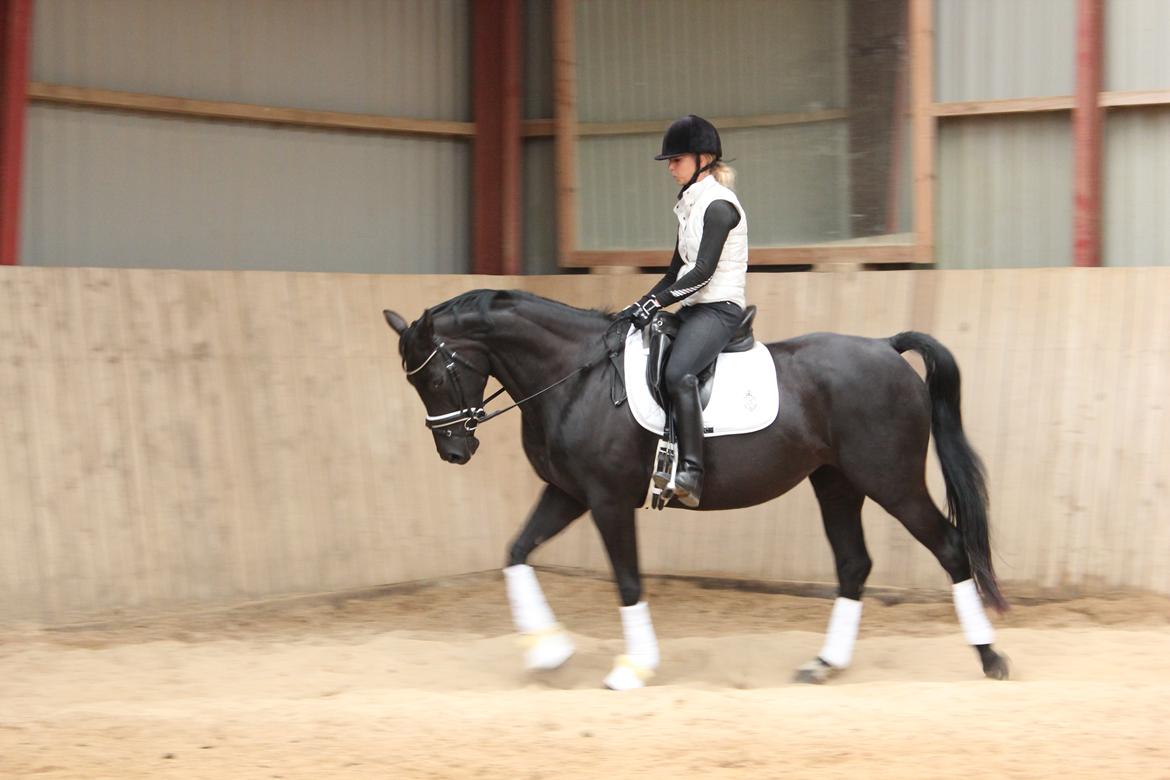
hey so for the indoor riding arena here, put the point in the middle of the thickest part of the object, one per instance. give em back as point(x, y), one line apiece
point(230, 549)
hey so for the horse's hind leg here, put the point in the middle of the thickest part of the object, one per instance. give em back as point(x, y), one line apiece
point(927, 524)
point(840, 505)
point(547, 646)
point(619, 534)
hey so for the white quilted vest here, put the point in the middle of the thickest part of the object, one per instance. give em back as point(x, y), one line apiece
point(730, 277)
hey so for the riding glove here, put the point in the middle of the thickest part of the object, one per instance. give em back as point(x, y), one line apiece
point(642, 311)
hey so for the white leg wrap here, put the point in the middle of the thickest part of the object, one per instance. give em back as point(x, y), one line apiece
point(641, 642)
point(633, 669)
point(843, 624)
point(976, 627)
point(546, 645)
point(530, 611)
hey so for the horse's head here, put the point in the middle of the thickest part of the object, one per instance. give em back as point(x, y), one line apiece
point(449, 382)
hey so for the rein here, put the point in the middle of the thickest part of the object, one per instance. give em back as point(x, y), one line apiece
point(472, 416)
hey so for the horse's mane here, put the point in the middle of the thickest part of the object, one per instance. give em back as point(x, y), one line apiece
point(471, 310)
point(477, 305)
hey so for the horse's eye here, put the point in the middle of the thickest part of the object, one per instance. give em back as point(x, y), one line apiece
point(436, 383)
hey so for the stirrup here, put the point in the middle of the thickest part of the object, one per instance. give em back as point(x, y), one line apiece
point(665, 462)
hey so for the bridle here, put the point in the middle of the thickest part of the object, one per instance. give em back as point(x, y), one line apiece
point(471, 416)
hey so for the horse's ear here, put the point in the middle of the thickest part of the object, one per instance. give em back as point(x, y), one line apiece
point(426, 324)
point(394, 320)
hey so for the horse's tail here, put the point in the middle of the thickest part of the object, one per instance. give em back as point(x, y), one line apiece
point(962, 469)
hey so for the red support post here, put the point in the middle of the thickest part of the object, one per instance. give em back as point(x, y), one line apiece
point(496, 150)
point(1087, 136)
point(15, 17)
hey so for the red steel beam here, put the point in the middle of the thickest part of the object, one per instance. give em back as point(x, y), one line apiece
point(496, 149)
point(1087, 136)
point(15, 16)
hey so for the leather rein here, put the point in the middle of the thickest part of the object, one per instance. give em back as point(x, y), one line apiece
point(471, 416)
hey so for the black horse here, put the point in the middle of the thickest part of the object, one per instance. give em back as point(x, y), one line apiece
point(855, 420)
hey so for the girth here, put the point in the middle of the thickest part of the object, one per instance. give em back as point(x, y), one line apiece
point(664, 329)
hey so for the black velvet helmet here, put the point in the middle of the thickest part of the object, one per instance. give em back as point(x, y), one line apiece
point(690, 135)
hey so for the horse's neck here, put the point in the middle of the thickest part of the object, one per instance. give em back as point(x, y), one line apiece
point(532, 346)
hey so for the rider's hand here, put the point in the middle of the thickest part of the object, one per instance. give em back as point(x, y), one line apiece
point(641, 311)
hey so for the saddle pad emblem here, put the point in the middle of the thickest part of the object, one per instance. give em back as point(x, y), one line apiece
point(744, 399)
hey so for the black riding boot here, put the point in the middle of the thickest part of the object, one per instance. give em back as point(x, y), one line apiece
point(688, 416)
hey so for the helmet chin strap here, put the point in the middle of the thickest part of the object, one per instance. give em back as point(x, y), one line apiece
point(698, 171)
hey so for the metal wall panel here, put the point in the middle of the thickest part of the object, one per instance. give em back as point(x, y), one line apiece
point(1135, 231)
point(1005, 192)
point(540, 186)
point(393, 57)
point(540, 208)
point(113, 189)
point(996, 49)
point(1137, 152)
point(666, 58)
point(1136, 56)
point(538, 59)
point(792, 182)
point(661, 60)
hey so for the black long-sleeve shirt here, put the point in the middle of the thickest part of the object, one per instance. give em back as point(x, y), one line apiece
point(718, 221)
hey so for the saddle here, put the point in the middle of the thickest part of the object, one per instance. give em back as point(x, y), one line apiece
point(662, 332)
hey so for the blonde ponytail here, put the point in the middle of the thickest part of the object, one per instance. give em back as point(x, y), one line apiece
point(724, 174)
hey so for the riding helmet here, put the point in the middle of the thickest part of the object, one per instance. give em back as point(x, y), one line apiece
point(690, 135)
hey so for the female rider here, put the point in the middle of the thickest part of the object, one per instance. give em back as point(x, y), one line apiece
point(707, 276)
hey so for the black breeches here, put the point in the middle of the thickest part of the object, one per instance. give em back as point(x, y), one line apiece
point(704, 330)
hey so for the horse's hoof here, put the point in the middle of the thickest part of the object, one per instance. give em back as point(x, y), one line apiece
point(815, 672)
point(628, 675)
point(547, 651)
point(997, 668)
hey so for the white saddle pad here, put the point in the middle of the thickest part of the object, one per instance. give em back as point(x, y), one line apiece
point(745, 397)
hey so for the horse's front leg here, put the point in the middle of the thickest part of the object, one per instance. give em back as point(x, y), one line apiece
point(547, 646)
point(640, 660)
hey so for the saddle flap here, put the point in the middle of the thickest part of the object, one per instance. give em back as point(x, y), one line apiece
point(743, 395)
point(663, 329)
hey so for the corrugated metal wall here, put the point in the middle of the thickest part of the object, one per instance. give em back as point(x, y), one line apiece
point(540, 184)
point(395, 57)
point(118, 189)
point(1136, 197)
point(1136, 161)
point(1004, 195)
point(666, 58)
point(1136, 56)
point(995, 49)
point(1004, 183)
point(109, 188)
